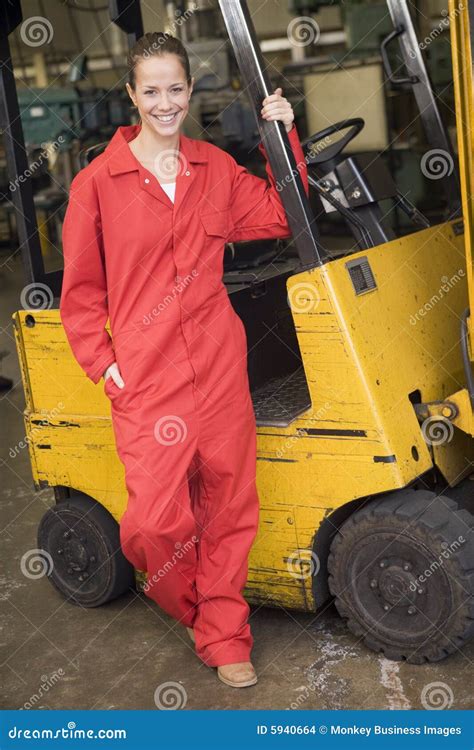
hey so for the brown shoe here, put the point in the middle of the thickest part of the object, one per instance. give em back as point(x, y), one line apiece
point(191, 634)
point(240, 674)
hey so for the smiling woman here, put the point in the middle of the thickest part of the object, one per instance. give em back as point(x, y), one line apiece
point(160, 86)
point(177, 380)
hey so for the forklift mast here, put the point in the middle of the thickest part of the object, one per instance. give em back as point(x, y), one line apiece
point(273, 134)
point(418, 79)
point(462, 46)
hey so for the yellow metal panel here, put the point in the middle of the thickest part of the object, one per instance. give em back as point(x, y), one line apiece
point(464, 420)
point(55, 380)
point(454, 457)
point(269, 580)
point(459, 24)
point(78, 453)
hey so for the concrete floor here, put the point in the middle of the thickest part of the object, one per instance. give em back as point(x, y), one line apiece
point(56, 655)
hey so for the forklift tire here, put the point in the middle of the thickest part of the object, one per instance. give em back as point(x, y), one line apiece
point(401, 570)
point(82, 540)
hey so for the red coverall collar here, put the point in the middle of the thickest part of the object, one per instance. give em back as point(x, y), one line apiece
point(121, 159)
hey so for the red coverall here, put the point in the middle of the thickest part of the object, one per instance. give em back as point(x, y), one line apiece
point(184, 424)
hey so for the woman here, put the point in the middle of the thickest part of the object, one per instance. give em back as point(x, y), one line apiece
point(143, 242)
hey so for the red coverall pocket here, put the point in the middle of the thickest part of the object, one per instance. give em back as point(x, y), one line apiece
point(107, 381)
point(123, 400)
point(111, 388)
point(216, 225)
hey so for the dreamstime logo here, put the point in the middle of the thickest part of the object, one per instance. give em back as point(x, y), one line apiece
point(181, 551)
point(169, 298)
point(289, 442)
point(313, 151)
point(47, 682)
point(301, 431)
point(448, 550)
point(180, 19)
point(309, 688)
point(316, 148)
point(303, 563)
point(36, 31)
point(170, 430)
point(48, 150)
point(170, 696)
point(35, 431)
point(170, 163)
point(36, 296)
point(36, 563)
point(446, 286)
point(437, 696)
point(436, 164)
point(437, 430)
point(303, 297)
point(443, 24)
point(303, 31)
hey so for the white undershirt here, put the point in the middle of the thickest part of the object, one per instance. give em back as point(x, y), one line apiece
point(169, 189)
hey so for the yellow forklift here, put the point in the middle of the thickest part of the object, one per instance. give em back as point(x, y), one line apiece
point(360, 367)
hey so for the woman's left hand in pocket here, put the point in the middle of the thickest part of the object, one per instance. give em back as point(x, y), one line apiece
point(113, 372)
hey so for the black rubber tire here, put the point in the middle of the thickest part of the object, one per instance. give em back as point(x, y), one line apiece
point(403, 534)
point(87, 566)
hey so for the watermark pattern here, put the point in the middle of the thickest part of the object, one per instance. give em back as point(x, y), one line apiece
point(36, 31)
point(303, 31)
point(446, 286)
point(289, 442)
point(181, 551)
point(176, 23)
point(438, 30)
point(437, 430)
point(313, 151)
point(170, 430)
point(436, 696)
point(311, 687)
point(301, 432)
point(169, 163)
point(15, 450)
point(170, 696)
point(36, 563)
point(303, 297)
point(47, 682)
point(47, 150)
point(177, 289)
point(36, 296)
point(436, 164)
point(303, 563)
point(448, 550)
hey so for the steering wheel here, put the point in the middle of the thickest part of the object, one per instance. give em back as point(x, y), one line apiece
point(331, 150)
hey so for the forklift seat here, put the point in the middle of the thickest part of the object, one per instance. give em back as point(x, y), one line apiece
point(87, 154)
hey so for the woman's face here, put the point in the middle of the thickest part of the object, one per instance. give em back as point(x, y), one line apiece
point(161, 93)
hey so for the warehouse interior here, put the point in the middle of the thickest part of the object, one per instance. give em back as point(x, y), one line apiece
point(333, 63)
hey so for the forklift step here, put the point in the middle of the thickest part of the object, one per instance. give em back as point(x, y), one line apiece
point(281, 400)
